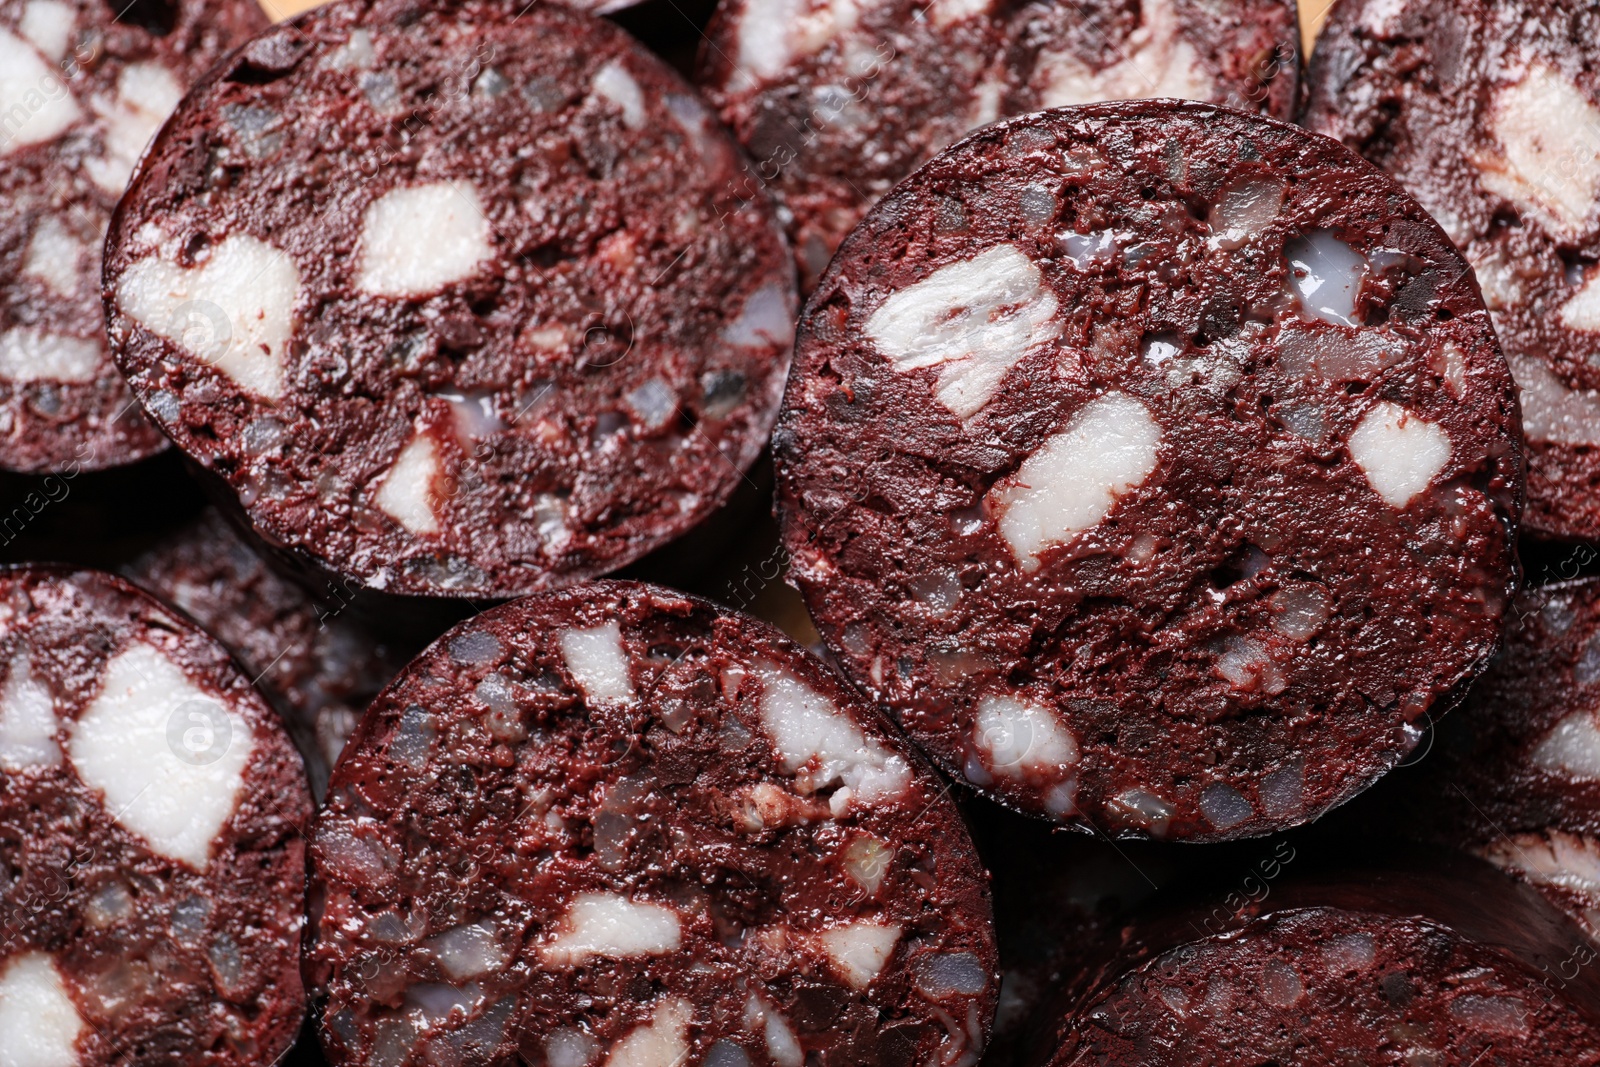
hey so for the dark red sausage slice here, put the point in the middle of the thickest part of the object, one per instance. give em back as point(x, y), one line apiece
point(1514, 774)
point(84, 84)
point(1488, 111)
point(1156, 464)
point(837, 100)
point(1452, 967)
point(619, 826)
point(484, 301)
point(152, 821)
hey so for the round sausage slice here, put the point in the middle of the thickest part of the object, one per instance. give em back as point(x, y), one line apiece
point(479, 300)
point(1455, 966)
point(152, 822)
point(1156, 464)
point(614, 825)
point(838, 100)
point(83, 86)
point(1488, 111)
point(1514, 775)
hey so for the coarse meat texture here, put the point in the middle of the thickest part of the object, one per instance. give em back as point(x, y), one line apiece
point(1488, 111)
point(1321, 987)
point(152, 848)
point(318, 664)
point(1156, 464)
point(618, 825)
point(837, 100)
point(83, 86)
point(1514, 774)
point(518, 312)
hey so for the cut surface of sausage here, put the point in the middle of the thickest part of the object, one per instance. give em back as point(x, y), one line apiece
point(1488, 111)
point(152, 813)
point(617, 825)
point(1170, 509)
point(486, 302)
point(1331, 978)
point(1514, 773)
point(83, 86)
point(837, 100)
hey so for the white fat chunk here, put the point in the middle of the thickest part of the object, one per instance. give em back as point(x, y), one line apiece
point(474, 414)
point(613, 927)
point(169, 757)
point(146, 94)
point(858, 951)
point(1582, 309)
point(782, 1045)
point(28, 722)
point(49, 25)
point(468, 951)
point(867, 860)
point(235, 311)
point(774, 33)
point(39, 1022)
point(767, 318)
point(407, 494)
point(55, 257)
point(1018, 738)
point(974, 320)
point(419, 239)
point(1496, 1015)
point(1224, 806)
point(662, 1042)
point(1326, 274)
point(356, 53)
point(1399, 452)
point(28, 354)
point(1551, 412)
point(1572, 748)
point(1553, 858)
point(812, 735)
point(1379, 15)
point(35, 103)
point(1549, 135)
point(569, 1048)
point(599, 663)
point(949, 12)
point(986, 100)
point(614, 83)
point(1071, 483)
point(1155, 61)
point(1244, 209)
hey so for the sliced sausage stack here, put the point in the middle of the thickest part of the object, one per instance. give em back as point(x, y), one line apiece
point(1151, 470)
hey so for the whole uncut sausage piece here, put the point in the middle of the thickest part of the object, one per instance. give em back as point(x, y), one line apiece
point(1454, 967)
point(615, 825)
point(83, 86)
point(1157, 466)
point(152, 838)
point(478, 301)
point(838, 100)
point(1488, 111)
